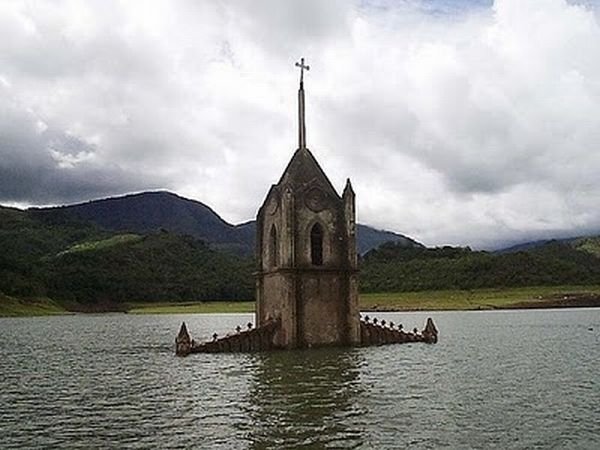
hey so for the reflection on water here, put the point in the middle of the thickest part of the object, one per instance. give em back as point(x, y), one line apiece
point(306, 399)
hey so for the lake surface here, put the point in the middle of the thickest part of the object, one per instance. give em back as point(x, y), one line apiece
point(504, 379)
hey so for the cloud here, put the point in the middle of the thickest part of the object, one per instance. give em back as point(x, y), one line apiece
point(41, 164)
point(458, 122)
point(499, 109)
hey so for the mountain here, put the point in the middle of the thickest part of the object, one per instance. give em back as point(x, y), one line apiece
point(153, 211)
point(524, 246)
point(149, 212)
point(590, 244)
point(369, 238)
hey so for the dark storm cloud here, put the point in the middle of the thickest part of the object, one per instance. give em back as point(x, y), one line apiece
point(44, 165)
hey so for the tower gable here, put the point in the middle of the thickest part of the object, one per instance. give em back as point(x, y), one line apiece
point(302, 170)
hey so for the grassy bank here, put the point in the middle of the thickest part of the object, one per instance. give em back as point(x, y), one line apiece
point(192, 307)
point(529, 297)
point(476, 299)
point(18, 307)
point(451, 300)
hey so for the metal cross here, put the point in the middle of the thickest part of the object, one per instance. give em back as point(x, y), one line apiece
point(302, 67)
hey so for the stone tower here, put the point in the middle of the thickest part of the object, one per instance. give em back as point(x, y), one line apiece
point(306, 247)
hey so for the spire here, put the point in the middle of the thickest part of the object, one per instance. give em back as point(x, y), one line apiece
point(301, 123)
point(348, 188)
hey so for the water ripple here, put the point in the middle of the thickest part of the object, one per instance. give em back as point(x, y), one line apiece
point(495, 380)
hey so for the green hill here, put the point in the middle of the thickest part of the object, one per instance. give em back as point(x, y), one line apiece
point(392, 268)
point(26, 240)
point(588, 244)
point(161, 266)
point(70, 260)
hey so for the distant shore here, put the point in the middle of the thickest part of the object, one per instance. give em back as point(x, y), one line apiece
point(571, 300)
point(539, 297)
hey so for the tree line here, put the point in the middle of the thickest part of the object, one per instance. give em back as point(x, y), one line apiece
point(72, 261)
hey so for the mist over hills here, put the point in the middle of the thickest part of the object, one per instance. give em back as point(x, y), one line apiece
point(160, 210)
point(531, 245)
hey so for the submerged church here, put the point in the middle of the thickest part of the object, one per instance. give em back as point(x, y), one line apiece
point(307, 277)
point(306, 247)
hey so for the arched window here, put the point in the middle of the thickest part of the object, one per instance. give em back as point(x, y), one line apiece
point(273, 248)
point(316, 245)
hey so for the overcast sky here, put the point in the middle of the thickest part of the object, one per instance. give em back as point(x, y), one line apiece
point(459, 122)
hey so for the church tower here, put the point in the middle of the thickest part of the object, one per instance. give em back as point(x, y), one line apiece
point(306, 249)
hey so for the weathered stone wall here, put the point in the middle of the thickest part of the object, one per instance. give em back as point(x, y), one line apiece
point(353, 316)
point(280, 303)
point(322, 310)
point(381, 333)
point(249, 340)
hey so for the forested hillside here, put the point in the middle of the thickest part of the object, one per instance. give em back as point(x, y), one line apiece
point(71, 260)
point(50, 255)
point(153, 267)
point(394, 268)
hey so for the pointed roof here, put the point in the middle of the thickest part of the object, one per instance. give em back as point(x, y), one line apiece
point(303, 169)
point(348, 188)
point(183, 333)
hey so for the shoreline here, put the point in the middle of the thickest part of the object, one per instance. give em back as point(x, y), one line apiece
point(516, 307)
point(575, 300)
point(430, 301)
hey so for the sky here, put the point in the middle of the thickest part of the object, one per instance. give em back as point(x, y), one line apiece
point(459, 122)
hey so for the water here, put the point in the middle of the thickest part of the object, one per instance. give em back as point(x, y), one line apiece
point(518, 379)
